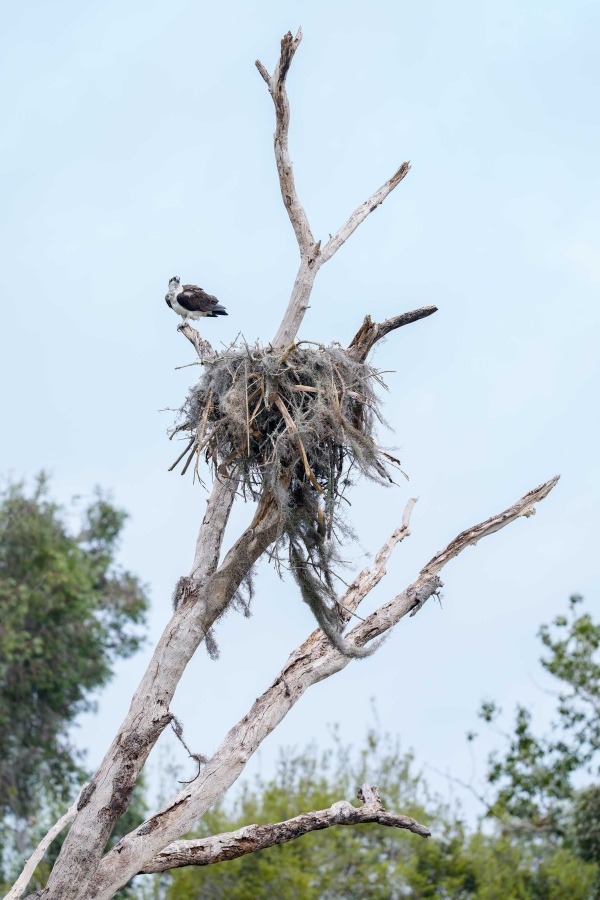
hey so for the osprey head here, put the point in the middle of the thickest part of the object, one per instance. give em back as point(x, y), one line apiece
point(174, 286)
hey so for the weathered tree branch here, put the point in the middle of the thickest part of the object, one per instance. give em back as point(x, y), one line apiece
point(233, 844)
point(212, 530)
point(412, 599)
point(276, 85)
point(370, 332)
point(356, 592)
point(149, 712)
point(311, 663)
point(202, 346)
point(37, 856)
point(469, 538)
point(361, 213)
point(312, 256)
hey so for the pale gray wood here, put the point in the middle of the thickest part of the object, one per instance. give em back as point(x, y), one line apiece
point(149, 711)
point(312, 256)
point(314, 661)
point(233, 844)
point(370, 332)
point(20, 885)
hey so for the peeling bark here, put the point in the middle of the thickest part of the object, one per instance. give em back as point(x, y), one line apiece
point(233, 844)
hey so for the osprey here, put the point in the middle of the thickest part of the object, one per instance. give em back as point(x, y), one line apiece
point(191, 302)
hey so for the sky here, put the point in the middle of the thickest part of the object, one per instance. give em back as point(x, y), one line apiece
point(137, 144)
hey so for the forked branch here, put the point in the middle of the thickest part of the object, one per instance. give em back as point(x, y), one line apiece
point(277, 90)
point(312, 256)
point(210, 587)
point(370, 332)
point(233, 844)
point(311, 663)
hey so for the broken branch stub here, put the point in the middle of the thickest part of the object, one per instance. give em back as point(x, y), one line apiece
point(370, 332)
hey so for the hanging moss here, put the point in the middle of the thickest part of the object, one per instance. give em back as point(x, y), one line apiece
point(300, 424)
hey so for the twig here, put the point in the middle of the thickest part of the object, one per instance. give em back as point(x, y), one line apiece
point(199, 758)
point(204, 419)
point(36, 857)
point(247, 409)
point(188, 461)
point(292, 427)
point(180, 457)
point(348, 610)
point(460, 783)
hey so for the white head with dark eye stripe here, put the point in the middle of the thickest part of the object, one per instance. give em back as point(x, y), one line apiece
point(192, 302)
point(174, 286)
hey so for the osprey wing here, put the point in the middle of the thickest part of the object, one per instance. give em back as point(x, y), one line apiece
point(195, 299)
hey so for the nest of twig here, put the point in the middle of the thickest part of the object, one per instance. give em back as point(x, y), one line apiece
point(299, 423)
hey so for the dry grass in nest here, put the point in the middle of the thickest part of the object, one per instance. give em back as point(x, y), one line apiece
point(299, 423)
point(308, 412)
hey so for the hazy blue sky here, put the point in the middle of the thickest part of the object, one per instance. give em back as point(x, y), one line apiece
point(136, 144)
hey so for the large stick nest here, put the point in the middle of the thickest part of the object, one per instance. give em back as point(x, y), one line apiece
point(299, 415)
point(298, 423)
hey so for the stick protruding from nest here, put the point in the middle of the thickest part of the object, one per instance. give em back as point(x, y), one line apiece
point(298, 426)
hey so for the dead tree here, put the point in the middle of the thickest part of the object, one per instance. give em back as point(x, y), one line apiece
point(84, 869)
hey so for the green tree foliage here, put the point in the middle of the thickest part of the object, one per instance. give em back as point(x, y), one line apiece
point(537, 779)
point(370, 861)
point(539, 841)
point(67, 612)
point(586, 823)
point(352, 862)
point(509, 867)
point(534, 776)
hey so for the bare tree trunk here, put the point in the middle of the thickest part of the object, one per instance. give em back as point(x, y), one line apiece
point(81, 870)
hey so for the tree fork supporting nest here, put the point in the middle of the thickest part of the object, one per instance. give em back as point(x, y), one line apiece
point(83, 869)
